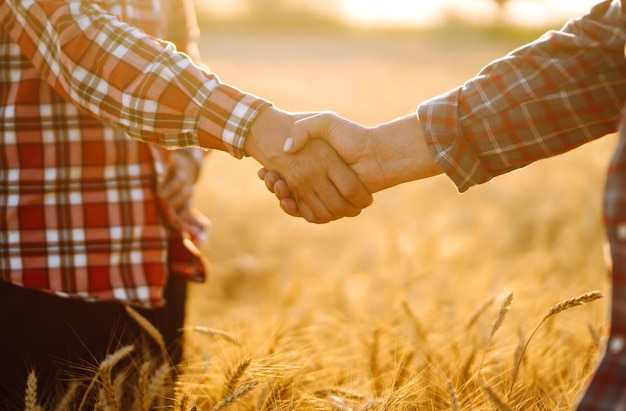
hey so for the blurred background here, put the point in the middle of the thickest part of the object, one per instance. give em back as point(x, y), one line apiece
point(418, 13)
point(405, 276)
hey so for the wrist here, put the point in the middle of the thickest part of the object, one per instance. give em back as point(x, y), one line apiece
point(267, 135)
point(406, 153)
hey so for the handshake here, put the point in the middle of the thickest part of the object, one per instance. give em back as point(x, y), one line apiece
point(323, 167)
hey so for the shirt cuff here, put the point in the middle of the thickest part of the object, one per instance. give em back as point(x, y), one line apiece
point(226, 119)
point(450, 149)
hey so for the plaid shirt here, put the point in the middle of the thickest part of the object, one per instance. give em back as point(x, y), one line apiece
point(79, 210)
point(550, 96)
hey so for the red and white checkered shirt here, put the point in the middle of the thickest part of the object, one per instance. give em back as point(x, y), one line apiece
point(79, 211)
point(563, 90)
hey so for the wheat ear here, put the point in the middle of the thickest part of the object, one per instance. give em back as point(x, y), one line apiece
point(497, 323)
point(235, 395)
point(454, 398)
point(555, 309)
point(235, 376)
point(217, 333)
point(104, 371)
point(328, 392)
point(30, 394)
point(156, 384)
point(338, 403)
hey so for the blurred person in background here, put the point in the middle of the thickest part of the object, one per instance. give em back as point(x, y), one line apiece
point(552, 95)
point(91, 219)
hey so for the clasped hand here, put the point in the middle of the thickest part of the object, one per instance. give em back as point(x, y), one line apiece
point(379, 157)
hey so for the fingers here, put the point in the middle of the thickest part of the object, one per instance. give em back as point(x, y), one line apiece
point(314, 126)
point(176, 189)
point(351, 188)
point(331, 189)
point(274, 183)
point(289, 206)
point(262, 172)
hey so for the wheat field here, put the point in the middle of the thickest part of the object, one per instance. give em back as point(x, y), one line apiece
point(395, 309)
point(430, 299)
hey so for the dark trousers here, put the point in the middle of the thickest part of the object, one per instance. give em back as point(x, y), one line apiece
point(61, 338)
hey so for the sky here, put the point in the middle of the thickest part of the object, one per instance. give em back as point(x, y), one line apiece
point(430, 12)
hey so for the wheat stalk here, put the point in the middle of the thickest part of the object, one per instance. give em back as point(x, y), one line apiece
point(479, 311)
point(595, 335)
point(402, 374)
point(555, 309)
point(417, 325)
point(496, 399)
point(497, 323)
point(374, 366)
point(149, 328)
point(66, 402)
point(235, 395)
point(276, 392)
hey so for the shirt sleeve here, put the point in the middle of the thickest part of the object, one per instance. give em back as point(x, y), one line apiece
point(127, 78)
point(550, 96)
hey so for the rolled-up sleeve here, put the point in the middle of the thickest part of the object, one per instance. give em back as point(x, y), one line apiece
point(550, 96)
point(127, 78)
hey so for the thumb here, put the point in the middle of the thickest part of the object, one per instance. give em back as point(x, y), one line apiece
point(303, 130)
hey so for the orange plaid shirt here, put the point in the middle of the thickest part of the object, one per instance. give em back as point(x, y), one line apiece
point(79, 213)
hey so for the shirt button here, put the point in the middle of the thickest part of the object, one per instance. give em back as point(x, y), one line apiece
point(620, 231)
point(616, 345)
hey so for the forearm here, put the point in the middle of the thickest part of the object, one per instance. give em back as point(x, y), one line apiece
point(127, 78)
point(561, 91)
point(401, 148)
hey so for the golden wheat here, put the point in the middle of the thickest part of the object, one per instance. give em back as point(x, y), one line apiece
point(111, 399)
point(454, 398)
point(555, 309)
point(66, 403)
point(215, 333)
point(158, 381)
point(234, 376)
point(30, 395)
point(237, 394)
point(149, 328)
point(495, 398)
point(497, 323)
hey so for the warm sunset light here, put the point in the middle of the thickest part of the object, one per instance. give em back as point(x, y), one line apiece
point(430, 13)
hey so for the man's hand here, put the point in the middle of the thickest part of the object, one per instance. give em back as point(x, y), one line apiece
point(176, 190)
point(182, 171)
point(381, 156)
point(320, 183)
